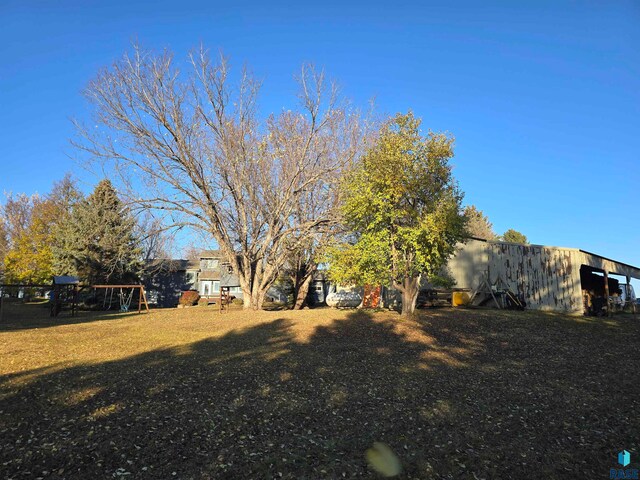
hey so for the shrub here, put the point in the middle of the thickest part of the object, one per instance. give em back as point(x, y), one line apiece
point(237, 301)
point(188, 298)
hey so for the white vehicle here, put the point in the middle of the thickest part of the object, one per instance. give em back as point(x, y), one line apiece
point(628, 294)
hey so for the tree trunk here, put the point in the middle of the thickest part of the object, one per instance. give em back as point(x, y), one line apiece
point(257, 299)
point(245, 285)
point(253, 299)
point(246, 299)
point(409, 289)
point(251, 275)
point(301, 278)
point(252, 295)
point(255, 281)
point(301, 290)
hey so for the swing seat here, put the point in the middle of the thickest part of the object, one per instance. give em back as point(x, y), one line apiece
point(125, 301)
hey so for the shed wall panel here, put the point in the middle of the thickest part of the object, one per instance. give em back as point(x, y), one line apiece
point(548, 278)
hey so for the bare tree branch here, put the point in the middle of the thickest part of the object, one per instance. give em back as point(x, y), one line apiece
point(197, 149)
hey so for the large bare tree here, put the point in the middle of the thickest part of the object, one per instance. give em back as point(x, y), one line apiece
point(155, 242)
point(197, 148)
point(16, 214)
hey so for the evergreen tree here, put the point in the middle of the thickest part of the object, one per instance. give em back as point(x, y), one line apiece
point(514, 236)
point(99, 240)
point(478, 224)
point(64, 196)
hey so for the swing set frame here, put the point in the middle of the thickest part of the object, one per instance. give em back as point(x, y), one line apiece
point(142, 297)
point(71, 292)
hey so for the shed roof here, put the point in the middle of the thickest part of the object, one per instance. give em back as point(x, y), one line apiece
point(65, 280)
point(597, 261)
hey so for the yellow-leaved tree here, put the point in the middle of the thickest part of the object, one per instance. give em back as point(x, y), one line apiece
point(30, 259)
point(31, 233)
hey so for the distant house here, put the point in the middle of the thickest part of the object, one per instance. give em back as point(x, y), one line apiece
point(166, 279)
point(215, 272)
point(319, 288)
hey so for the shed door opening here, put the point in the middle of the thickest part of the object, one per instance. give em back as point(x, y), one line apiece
point(594, 297)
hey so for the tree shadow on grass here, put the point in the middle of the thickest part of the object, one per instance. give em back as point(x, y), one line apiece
point(26, 316)
point(452, 396)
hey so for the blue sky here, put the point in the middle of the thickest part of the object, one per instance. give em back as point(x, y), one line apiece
point(542, 97)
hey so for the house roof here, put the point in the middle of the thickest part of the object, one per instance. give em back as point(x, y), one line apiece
point(320, 275)
point(229, 279)
point(193, 264)
point(210, 275)
point(167, 264)
point(65, 280)
point(211, 254)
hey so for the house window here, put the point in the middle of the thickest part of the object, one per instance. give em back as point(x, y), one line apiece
point(216, 287)
point(235, 290)
point(205, 289)
point(209, 263)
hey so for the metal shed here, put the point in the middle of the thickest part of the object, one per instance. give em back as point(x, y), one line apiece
point(547, 277)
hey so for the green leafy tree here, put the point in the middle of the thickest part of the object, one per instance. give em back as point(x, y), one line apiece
point(99, 239)
point(403, 206)
point(478, 224)
point(514, 236)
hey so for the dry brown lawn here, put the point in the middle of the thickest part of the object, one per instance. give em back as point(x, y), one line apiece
point(193, 394)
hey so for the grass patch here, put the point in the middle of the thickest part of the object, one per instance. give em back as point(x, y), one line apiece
point(455, 393)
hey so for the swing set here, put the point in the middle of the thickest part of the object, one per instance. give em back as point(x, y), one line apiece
point(124, 298)
point(64, 292)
